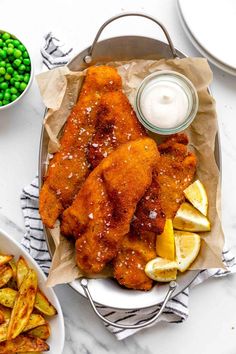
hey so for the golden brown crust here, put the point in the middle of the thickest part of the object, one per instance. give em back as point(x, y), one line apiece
point(103, 209)
point(69, 167)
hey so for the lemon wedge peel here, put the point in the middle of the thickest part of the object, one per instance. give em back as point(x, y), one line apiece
point(165, 242)
point(190, 219)
point(197, 196)
point(161, 269)
point(187, 246)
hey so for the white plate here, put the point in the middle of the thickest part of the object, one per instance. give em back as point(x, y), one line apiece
point(211, 26)
point(56, 340)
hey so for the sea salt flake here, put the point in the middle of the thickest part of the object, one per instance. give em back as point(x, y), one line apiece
point(90, 216)
point(152, 214)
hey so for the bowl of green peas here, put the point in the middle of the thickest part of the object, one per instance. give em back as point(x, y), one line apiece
point(15, 70)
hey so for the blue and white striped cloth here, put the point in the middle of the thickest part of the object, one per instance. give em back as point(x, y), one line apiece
point(54, 54)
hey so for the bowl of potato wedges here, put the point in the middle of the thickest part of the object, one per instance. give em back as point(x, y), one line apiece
point(31, 319)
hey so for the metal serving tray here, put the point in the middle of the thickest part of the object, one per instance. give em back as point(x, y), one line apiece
point(106, 291)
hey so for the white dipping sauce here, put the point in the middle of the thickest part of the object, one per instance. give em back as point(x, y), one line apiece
point(164, 103)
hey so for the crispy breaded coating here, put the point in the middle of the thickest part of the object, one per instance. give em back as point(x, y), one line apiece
point(134, 253)
point(116, 124)
point(175, 172)
point(69, 167)
point(101, 213)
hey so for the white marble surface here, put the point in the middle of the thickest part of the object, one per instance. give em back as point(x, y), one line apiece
point(211, 327)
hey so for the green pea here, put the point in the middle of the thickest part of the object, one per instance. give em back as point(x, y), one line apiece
point(17, 53)
point(10, 40)
point(13, 97)
point(4, 85)
point(16, 43)
point(10, 45)
point(5, 102)
point(1, 95)
point(26, 61)
point(2, 70)
point(22, 67)
point(1, 42)
point(22, 47)
point(7, 77)
point(3, 53)
point(26, 78)
point(2, 63)
point(6, 36)
point(28, 69)
point(10, 51)
point(13, 90)
point(7, 65)
point(25, 54)
point(7, 96)
point(1, 79)
point(8, 90)
point(17, 84)
point(23, 86)
point(12, 81)
point(17, 62)
point(10, 69)
point(11, 58)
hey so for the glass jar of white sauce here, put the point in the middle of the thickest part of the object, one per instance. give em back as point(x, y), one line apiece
point(166, 102)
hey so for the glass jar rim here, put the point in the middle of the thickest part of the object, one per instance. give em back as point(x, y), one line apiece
point(192, 113)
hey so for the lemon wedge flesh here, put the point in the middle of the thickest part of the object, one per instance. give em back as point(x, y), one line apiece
point(189, 218)
point(161, 269)
point(187, 246)
point(165, 243)
point(196, 194)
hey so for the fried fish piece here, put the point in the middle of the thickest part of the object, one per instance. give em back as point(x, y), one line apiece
point(173, 173)
point(101, 213)
point(69, 167)
point(134, 253)
point(116, 123)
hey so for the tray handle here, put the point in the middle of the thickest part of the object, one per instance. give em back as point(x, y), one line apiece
point(88, 57)
point(84, 284)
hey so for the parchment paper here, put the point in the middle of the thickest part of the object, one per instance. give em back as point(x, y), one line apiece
point(59, 89)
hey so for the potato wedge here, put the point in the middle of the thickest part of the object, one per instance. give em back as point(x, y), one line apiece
point(3, 331)
point(23, 305)
point(21, 270)
point(6, 312)
point(34, 321)
point(12, 263)
point(42, 332)
point(7, 297)
point(2, 317)
point(23, 343)
point(6, 274)
point(4, 258)
point(43, 305)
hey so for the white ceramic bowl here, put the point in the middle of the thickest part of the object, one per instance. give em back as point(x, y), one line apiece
point(56, 340)
point(30, 80)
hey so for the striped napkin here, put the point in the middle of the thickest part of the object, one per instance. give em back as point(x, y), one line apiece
point(56, 53)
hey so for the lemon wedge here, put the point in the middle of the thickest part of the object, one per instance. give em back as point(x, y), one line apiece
point(187, 246)
point(165, 243)
point(196, 194)
point(190, 219)
point(161, 269)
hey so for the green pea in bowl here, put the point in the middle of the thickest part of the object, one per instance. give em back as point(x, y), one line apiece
point(16, 72)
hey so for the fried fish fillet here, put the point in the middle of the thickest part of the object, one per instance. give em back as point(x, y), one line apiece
point(69, 167)
point(100, 215)
point(134, 253)
point(173, 172)
point(116, 123)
